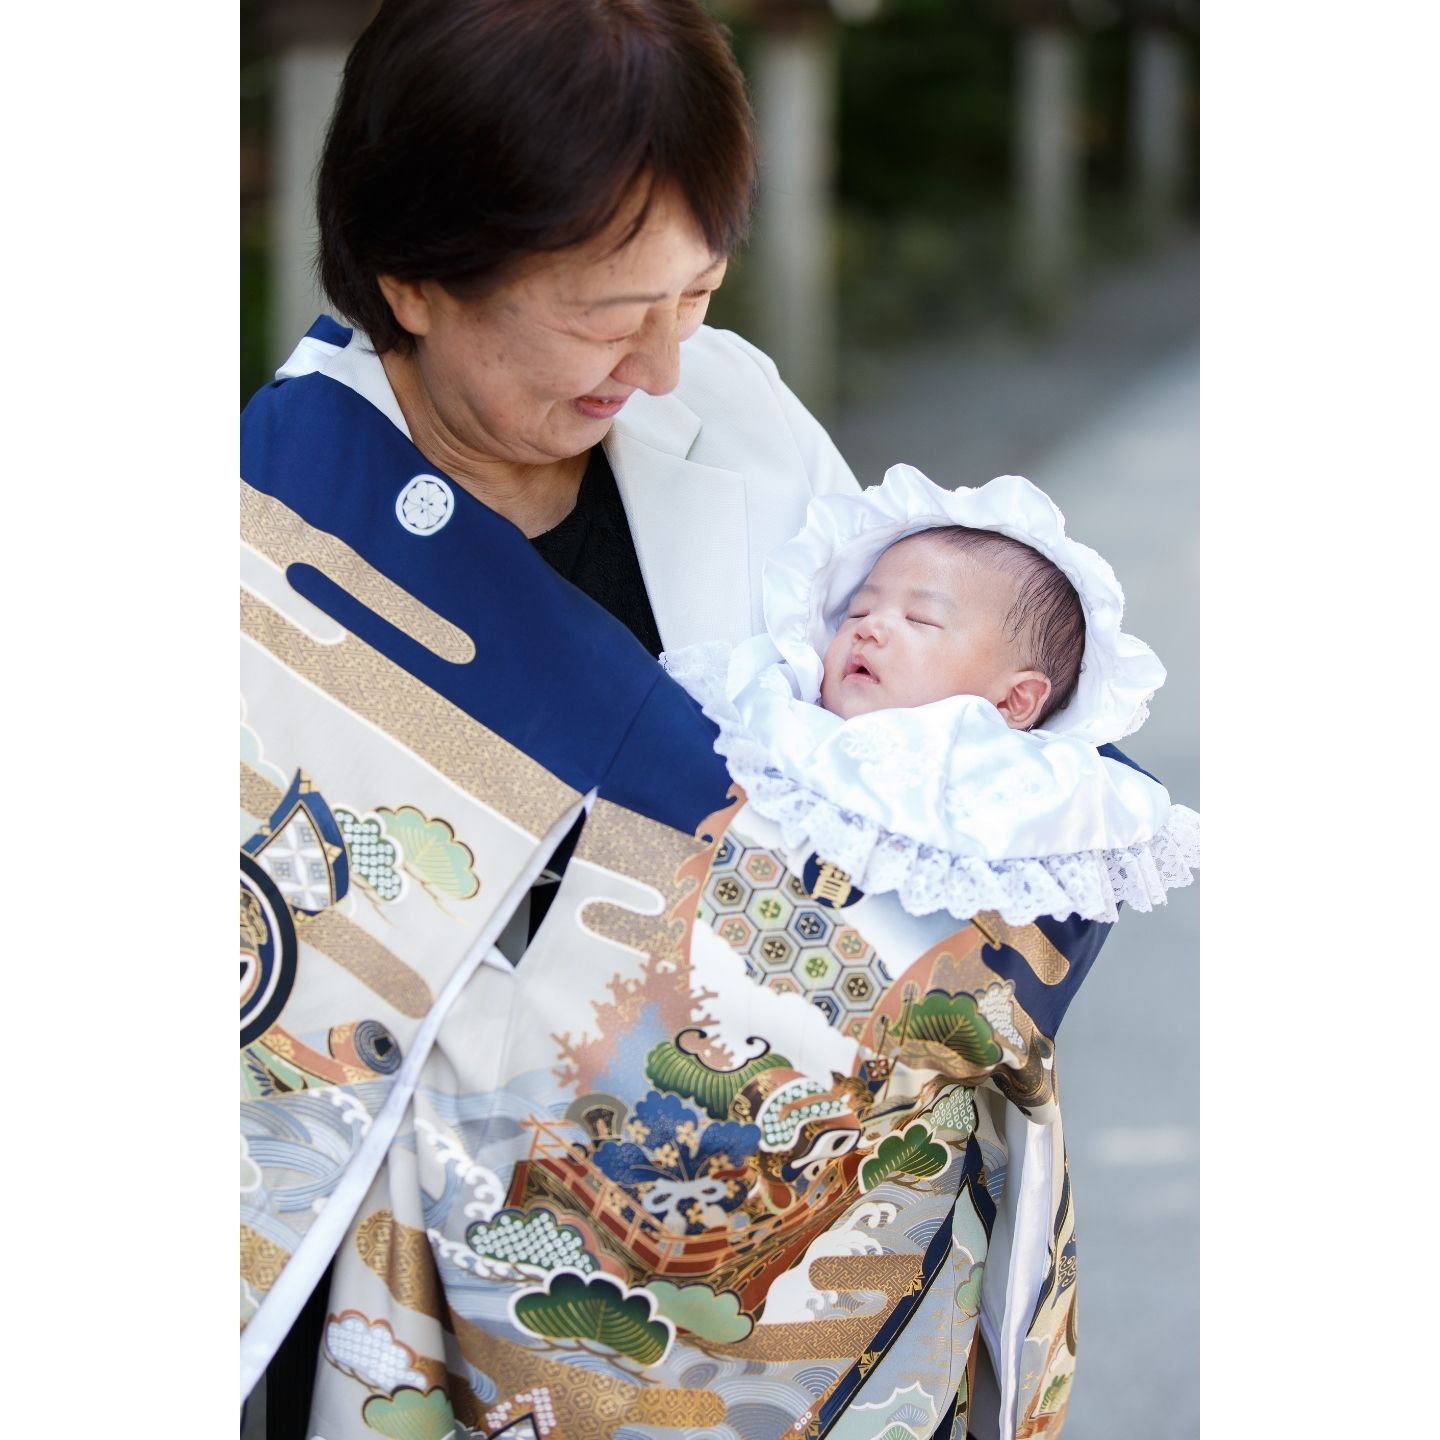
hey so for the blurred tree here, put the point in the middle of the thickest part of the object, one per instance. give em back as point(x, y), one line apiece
point(309, 40)
point(793, 72)
point(1157, 113)
point(1048, 154)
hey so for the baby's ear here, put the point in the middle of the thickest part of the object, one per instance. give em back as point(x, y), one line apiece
point(1029, 690)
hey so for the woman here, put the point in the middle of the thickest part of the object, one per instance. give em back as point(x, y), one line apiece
point(524, 206)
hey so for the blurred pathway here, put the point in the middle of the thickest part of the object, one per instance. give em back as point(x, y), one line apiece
point(1104, 416)
point(986, 403)
point(1129, 1049)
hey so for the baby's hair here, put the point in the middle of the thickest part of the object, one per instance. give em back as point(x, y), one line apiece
point(1046, 619)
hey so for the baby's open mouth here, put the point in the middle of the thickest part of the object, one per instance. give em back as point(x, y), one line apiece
point(857, 669)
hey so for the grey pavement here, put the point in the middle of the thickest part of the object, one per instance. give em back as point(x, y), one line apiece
point(992, 401)
point(1129, 1049)
point(1104, 416)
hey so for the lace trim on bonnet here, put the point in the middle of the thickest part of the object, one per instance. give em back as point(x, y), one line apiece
point(1128, 845)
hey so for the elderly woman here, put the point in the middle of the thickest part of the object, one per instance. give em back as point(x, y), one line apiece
point(525, 206)
point(720, 1147)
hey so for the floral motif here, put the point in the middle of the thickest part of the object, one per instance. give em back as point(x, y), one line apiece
point(596, 1308)
point(432, 854)
point(950, 1027)
point(702, 1311)
point(997, 1005)
point(688, 1076)
point(685, 1169)
point(967, 1293)
point(531, 1240)
point(914, 1153)
point(368, 1350)
point(410, 1415)
point(955, 1111)
point(373, 858)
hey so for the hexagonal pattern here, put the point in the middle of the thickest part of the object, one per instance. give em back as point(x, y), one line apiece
point(727, 892)
point(762, 867)
point(770, 909)
point(812, 926)
point(736, 930)
point(777, 951)
point(788, 941)
point(817, 969)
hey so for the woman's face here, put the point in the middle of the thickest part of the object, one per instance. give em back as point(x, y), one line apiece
point(536, 370)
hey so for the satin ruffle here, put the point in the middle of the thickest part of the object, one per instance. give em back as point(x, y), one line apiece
point(809, 581)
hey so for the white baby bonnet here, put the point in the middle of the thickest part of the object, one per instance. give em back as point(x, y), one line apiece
point(945, 804)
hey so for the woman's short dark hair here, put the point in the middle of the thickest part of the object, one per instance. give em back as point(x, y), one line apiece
point(469, 134)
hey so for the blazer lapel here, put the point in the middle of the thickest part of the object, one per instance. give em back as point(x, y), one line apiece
point(688, 521)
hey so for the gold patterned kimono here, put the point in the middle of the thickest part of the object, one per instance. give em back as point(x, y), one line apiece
point(728, 1149)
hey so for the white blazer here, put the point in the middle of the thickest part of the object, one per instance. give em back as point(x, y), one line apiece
point(713, 476)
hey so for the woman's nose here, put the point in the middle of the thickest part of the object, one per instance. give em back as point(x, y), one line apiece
point(653, 363)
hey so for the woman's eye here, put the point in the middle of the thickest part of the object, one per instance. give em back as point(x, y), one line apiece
point(688, 300)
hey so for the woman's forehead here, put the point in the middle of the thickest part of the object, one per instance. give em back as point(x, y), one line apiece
point(666, 255)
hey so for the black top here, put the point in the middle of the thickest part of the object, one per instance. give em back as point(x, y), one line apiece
point(593, 549)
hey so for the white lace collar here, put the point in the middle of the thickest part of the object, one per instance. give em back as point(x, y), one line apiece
point(945, 804)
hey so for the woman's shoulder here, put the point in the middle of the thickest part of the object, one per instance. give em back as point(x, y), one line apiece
point(711, 354)
point(740, 397)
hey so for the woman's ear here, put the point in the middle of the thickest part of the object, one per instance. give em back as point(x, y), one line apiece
point(1025, 699)
point(409, 302)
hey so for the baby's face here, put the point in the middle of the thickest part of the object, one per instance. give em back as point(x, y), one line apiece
point(927, 623)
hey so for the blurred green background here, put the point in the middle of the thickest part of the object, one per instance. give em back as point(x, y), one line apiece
point(925, 113)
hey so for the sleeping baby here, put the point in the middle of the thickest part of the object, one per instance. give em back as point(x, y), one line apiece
point(926, 707)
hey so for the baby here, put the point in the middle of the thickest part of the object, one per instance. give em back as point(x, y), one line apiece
point(957, 611)
point(926, 705)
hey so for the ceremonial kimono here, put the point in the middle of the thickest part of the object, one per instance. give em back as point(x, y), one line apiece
point(726, 1151)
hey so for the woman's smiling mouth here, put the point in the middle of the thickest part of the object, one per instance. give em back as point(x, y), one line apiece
point(598, 407)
